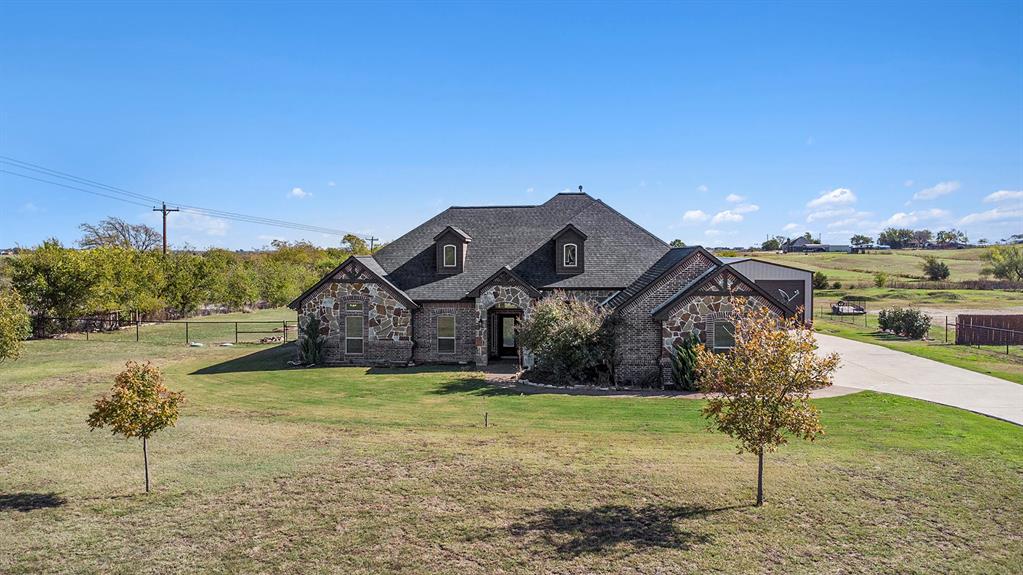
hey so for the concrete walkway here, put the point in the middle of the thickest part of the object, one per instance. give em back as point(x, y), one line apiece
point(867, 366)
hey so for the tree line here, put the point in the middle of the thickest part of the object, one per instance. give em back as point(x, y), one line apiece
point(117, 267)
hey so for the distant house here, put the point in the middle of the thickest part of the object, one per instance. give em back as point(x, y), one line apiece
point(453, 289)
point(803, 245)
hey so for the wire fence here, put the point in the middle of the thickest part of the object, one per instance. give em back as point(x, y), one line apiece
point(105, 328)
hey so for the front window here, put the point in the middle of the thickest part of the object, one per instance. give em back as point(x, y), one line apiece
point(450, 260)
point(446, 334)
point(353, 334)
point(724, 335)
point(571, 255)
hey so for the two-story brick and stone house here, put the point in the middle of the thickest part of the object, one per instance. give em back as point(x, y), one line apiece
point(452, 289)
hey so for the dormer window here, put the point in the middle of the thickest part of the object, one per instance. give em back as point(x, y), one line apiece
point(570, 250)
point(452, 243)
point(570, 255)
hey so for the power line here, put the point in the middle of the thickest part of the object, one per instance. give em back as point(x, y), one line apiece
point(124, 195)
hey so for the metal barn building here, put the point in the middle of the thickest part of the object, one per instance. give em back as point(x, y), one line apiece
point(793, 286)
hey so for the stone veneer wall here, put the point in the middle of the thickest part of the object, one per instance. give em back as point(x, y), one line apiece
point(425, 324)
point(387, 331)
point(695, 315)
point(639, 339)
point(512, 296)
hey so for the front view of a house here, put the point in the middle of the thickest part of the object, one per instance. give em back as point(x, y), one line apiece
point(452, 289)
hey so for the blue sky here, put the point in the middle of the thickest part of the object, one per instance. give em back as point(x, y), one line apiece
point(714, 123)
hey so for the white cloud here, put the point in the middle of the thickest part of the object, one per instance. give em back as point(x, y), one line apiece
point(734, 198)
point(299, 193)
point(910, 218)
point(712, 233)
point(936, 191)
point(829, 214)
point(201, 223)
point(836, 197)
point(692, 216)
point(1003, 196)
point(994, 215)
point(702, 188)
point(790, 227)
point(29, 208)
point(331, 183)
point(530, 190)
point(908, 183)
point(745, 208)
point(726, 216)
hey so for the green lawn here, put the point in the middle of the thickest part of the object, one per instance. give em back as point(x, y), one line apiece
point(949, 299)
point(352, 470)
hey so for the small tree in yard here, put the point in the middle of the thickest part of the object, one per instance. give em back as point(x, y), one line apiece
point(138, 406)
point(760, 390)
point(14, 324)
point(820, 280)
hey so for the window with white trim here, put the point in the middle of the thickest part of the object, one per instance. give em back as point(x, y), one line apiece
point(354, 332)
point(724, 335)
point(570, 255)
point(450, 256)
point(446, 334)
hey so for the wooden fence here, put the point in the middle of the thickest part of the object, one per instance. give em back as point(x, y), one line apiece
point(974, 329)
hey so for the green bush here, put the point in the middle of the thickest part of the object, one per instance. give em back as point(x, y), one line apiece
point(683, 363)
point(881, 279)
point(836, 285)
point(310, 344)
point(820, 280)
point(935, 269)
point(571, 341)
point(910, 322)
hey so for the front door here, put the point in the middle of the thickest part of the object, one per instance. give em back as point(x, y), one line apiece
point(506, 332)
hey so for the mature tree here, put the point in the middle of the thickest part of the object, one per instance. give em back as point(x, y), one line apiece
point(138, 406)
point(935, 269)
point(128, 279)
point(860, 240)
point(809, 238)
point(55, 282)
point(1005, 262)
point(14, 324)
point(240, 287)
point(356, 245)
point(952, 236)
point(117, 232)
point(773, 244)
point(189, 282)
point(922, 237)
point(895, 238)
point(677, 243)
point(760, 390)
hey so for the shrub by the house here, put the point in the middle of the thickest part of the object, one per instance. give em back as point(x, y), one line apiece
point(683, 363)
point(569, 340)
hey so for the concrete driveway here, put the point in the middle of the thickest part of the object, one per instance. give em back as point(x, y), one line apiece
point(867, 366)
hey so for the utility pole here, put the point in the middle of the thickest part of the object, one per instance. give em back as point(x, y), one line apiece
point(163, 209)
point(372, 241)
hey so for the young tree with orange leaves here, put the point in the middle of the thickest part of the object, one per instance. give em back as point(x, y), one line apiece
point(760, 389)
point(139, 405)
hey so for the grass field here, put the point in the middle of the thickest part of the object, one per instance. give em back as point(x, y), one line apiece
point(952, 300)
point(906, 264)
point(353, 470)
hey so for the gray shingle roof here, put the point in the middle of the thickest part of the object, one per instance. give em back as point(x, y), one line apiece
point(669, 260)
point(521, 237)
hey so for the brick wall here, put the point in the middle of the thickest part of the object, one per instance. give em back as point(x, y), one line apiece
point(425, 323)
point(639, 338)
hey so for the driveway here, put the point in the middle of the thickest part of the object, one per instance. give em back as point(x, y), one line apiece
point(867, 366)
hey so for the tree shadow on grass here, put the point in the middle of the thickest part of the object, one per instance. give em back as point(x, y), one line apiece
point(270, 359)
point(473, 386)
point(573, 532)
point(30, 501)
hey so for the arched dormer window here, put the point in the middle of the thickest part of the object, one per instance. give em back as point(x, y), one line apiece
point(450, 256)
point(570, 255)
point(570, 251)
